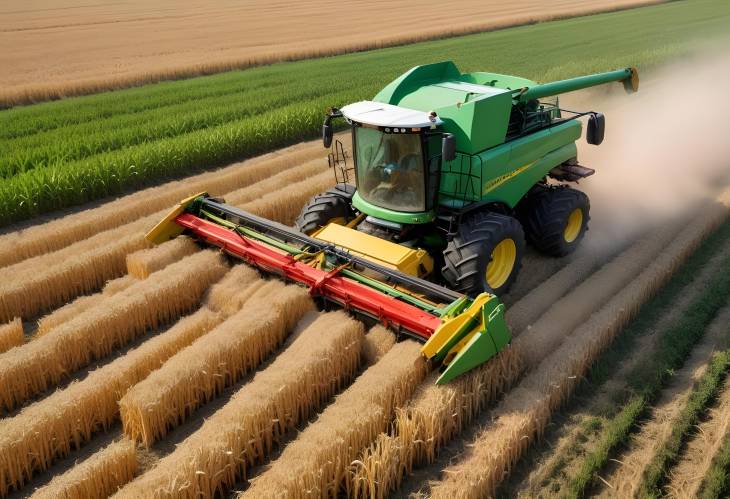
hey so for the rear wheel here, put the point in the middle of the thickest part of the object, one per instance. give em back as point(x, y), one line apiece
point(485, 254)
point(332, 206)
point(556, 219)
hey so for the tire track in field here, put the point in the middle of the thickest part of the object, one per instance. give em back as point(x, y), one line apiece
point(563, 451)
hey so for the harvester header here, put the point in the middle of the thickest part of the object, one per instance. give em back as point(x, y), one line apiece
point(446, 321)
point(453, 174)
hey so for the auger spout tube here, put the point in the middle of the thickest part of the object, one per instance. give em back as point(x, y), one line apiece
point(629, 76)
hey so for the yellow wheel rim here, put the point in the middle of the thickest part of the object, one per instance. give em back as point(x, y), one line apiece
point(499, 269)
point(575, 223)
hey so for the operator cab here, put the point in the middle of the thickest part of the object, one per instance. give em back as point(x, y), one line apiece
point(397, 154)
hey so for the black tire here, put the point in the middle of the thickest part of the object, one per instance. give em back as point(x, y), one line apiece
point(545, 215)
point(470, 251)
point(322, 208)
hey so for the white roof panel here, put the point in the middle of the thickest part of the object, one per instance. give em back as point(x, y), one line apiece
point(387, 115)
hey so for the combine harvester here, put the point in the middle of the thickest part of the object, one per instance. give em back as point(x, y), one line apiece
point(451, 176)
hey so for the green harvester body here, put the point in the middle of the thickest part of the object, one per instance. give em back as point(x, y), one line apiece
point(498, 158)
point(448, 168)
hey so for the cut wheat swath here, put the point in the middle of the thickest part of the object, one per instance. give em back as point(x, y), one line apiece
point(11, 335)
point(317, 462)
point(526, 410)
point(57, 234)
point(378, 342)
point(97, 477)
point(42, 363)
point(141, 264)
point(116, 285)
point(276, 182)
point(201, 371)
point(54, 426)
point(322, 359)
point(44, 282)
point(81, 304)
point(284, 206)
point(84, 267)
point(430, 419)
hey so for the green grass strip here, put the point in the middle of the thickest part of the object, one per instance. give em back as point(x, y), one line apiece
point(675, 344)
point(717, 481)
point(614, 433)
point(705, 391)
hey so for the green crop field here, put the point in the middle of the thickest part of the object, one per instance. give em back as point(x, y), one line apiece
point(65, 153)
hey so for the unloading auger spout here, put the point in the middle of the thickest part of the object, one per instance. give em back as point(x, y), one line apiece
point(459, 332)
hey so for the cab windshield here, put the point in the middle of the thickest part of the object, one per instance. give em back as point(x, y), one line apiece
point(390, 169)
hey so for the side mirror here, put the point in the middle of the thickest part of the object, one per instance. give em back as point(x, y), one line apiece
point(596, 129)
point(448, 147)
point(327, 135)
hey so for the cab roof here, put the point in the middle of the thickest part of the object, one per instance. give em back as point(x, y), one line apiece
point(387, 115)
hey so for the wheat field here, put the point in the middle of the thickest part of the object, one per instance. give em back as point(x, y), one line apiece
point(360, 427)
point(174, 371)
point(73, 48)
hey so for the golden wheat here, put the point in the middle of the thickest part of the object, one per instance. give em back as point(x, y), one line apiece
point(97, 477)
point(377, 343)
point(116, 285)
point(67, 312)
point(142, 263)
point(82, 304)
point(277, 183)
point(233, 291)
point(436, 414)
point(11, 335)
point(42, 363)
point(526, 410)
point(433, 416)
point(52, 427)
point(83, 267)
point(54, 235)
point(284, 206)
point(323, 358)
point(51, 280)
point(316, 463)
point(42, 70)
point(200, 372)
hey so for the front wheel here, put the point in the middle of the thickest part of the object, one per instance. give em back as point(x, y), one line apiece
point(485, 254)
point(332, 206)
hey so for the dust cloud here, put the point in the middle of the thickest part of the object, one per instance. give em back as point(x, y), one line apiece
point(667, 148)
